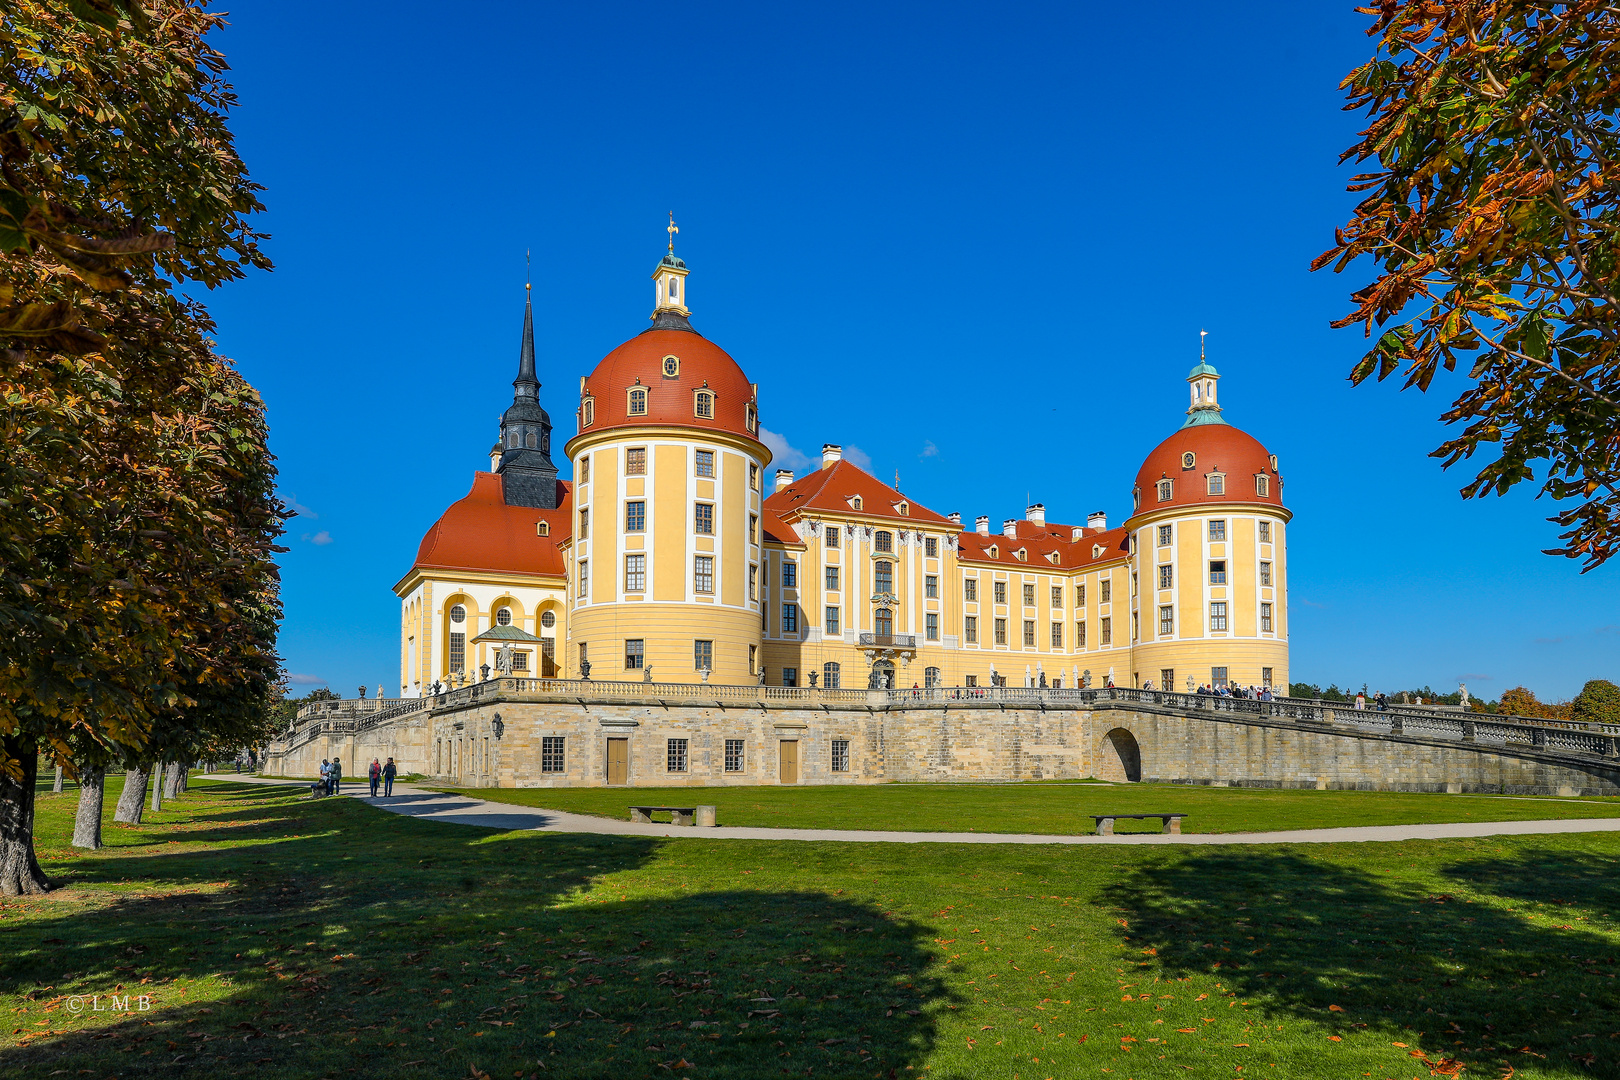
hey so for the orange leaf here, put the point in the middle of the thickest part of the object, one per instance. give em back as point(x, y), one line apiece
point(1401, 1045)
point(1334, 1038)
point(1186, 1031)
point(1335, 1008)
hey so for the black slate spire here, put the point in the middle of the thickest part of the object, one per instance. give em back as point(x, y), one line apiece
point(529, 477)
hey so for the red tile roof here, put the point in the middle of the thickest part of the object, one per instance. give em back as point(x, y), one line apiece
point(1039, 541)
point(1215, 448)
point(640, 362)
point(831, 489)
point(480, 532)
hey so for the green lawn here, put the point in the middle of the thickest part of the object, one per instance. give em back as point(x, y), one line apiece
point(299, 939)
point(1053, 808)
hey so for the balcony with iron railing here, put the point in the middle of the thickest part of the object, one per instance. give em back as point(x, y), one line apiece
point(888, 641)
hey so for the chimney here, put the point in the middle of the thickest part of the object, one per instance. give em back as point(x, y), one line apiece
point(1036, 515)
point(1009, 528)
point(784, 477)
point(981, 525)
point(831, 454)
point(954, 517)
point(1098, 520)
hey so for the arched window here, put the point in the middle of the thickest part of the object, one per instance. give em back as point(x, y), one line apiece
point(1166, 489)
point(638, 403)
point(883, 541)
point(883, 622)
point(931, 677)
point(674, 287)
point(588, 412)
point(704, 404)
point(883, 576)
point(503, 617)
point(512, 438)
point(830, 675)
point(531, 438)
point(752, 418)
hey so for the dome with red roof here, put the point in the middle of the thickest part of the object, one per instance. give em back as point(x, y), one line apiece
point(669, 369)
point(1207, 447)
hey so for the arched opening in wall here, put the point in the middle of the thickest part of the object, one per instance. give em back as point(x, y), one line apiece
point(882, 676)
point(1119, 758)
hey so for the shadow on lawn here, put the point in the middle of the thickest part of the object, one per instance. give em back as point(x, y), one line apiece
point(508, 951)
point(1458, 980)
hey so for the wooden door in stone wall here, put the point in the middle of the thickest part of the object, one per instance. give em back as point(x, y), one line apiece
point(618, 761)
point(789, 772)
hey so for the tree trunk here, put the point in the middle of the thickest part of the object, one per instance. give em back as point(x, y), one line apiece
point(57, 785)
point(20, 874)
point(87, 822)
point(183, 780)
point(171, 780)
point(157, 787)
point(133, 800)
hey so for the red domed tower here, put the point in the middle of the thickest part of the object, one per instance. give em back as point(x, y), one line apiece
point(664, 559)
point(1209, 544)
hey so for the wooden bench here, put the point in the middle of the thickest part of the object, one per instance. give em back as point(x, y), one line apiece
point(1105, 822)
point(678, 815)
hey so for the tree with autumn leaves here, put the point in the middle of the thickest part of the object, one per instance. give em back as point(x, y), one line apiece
point(1490, 213)
point(138, 594)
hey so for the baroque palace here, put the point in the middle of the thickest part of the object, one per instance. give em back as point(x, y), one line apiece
point(673, 554)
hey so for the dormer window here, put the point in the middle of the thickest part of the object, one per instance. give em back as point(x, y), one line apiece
point(542, 528)
point(703, 404)
point(1262, 485)
point(1021, 555)
point(904, 509)
point(672, 364)
point(638, 402)
point(587, 412)
point(855, 502)
point(1217, 483)
point(751, 418)
point(1166, 490)
point(993, 551)
point(1052, 557)
point(1096, 551)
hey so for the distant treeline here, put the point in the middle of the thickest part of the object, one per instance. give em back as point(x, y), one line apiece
point(1598, 701)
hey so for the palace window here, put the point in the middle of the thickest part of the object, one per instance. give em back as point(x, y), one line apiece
point(703, 573)
point(1136, 626)
point(855, 503)
point(931, 587)
point(883, 541)
point(1188, 460)
point(1164, 535)
point(548, 619)
point(672, 364)
point(1217, 530)
point(634, 652)
point(1217, 572)
point(458, 652)
point(638, 402)
point(635, 461)
point(1079, 596)
point(635, 516)
point(584, 470)
point(1265, 677)
point(1001, 631)
point(734, 755)
point(1217, 676)
point(1001, 592)
point(635, 573)
point(587, 411)
point(1165, 490)
point(883, 577)
point(970, 680)
point(703, 405)
point(676, 753)
point(1057, 635)
point(503, 617)
point(1262, 485)
point(1166, 577)
point(1167, 619)
point(830, 675)
point(1057, 596)
point(904, 508)
point(551, 753)
point(829, 621)
point(1265, 618)
point(1265, 573)
point(830, 577)
point(970, 629)
point(1217, 484)
point(1265, 532)
point(703, 519)
point(753, 658)
point(790, 676)
point(751, 418)
point(831, 534)
point(1107, 591)
point(753, 477)
point(703, 655)
point(1029, 595)
point(703, 462)
point(931, 547)
point(840, 755)
point(753, 528)
point(1080, 634)
point(883, 622)
point(1217, 615)
point(790, 619)
point(542, 528)
point(584, 578)
point(931, 626)
point(584, 524)
point(970, 589)
point(790, 574)
point(1108, 631)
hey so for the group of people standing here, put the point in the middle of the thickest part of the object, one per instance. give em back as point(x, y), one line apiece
point(1254, 693)
point(380, 774)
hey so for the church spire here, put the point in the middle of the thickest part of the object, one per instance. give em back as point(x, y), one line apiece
point(528, 476)
point(527, 383)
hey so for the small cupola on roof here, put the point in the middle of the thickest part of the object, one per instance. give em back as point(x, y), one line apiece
point(669, 286)
point(1201, 382)
point(528, 476)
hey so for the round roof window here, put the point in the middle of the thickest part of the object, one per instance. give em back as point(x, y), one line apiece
point(458, 614)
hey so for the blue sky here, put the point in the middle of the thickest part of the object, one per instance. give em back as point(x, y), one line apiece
point(976, 242)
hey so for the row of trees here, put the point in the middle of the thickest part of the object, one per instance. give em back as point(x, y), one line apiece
point(138, 521)
point(1598, 702)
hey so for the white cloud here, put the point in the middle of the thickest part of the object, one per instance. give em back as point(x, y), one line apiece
point(929, 449)
point(783, 454)
point(858, 458)
point(320, 539)
point(305, 680)
point(297, 507)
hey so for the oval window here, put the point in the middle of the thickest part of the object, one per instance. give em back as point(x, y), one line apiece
point(1188, 460)
point(458, 614)
point(672, 364)
point(503, 617)
point(548, 620)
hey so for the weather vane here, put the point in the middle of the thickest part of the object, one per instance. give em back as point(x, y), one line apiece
point(672, 230)
point(1202, 334)
point(526, 284)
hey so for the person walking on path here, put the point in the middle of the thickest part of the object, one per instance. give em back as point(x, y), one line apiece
point(388, 774)
point(375, 773)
